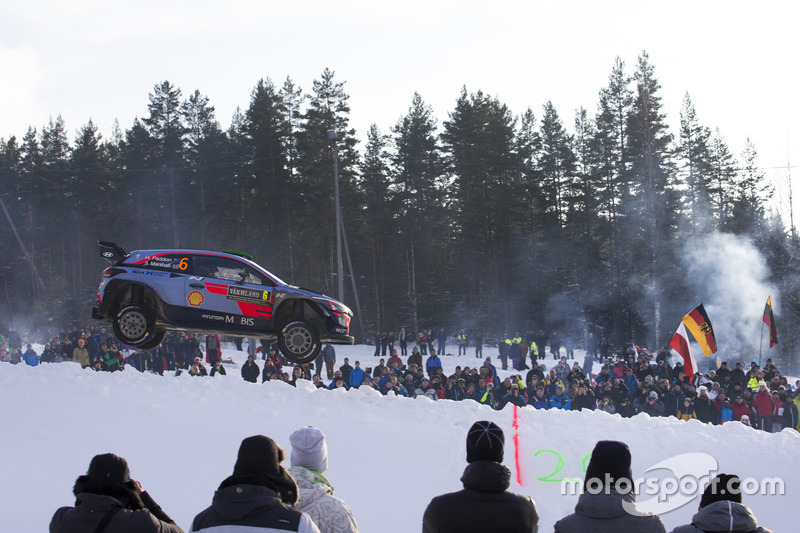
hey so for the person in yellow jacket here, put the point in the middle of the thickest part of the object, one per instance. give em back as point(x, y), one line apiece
point(752, 384)
point(797, 403)
point(81, 354)
point(534, 352)
point(686, 411)
point(462, 342)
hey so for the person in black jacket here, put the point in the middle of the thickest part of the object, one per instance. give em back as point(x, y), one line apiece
point(108, 500)
point(485, 503)
point(704, 407)
point(260, 495)
point(250, 370)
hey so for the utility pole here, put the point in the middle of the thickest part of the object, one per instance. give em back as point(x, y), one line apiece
point(339, 270)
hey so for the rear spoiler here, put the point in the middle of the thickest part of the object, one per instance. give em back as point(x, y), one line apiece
point(111, 252)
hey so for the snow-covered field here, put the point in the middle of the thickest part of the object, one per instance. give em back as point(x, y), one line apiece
point(388, 456)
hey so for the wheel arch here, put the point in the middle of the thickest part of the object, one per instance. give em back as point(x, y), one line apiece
point(299, 309)
point(134, 293)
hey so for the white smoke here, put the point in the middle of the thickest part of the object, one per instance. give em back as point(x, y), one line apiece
point(729, 275)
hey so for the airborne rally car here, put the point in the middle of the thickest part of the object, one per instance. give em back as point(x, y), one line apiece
point(146, 292)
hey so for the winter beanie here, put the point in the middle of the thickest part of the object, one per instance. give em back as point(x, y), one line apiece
point(723, 487)
point(309, 449)
point(259, 454)
point(109, 468)
point(611, 461)
point(485, 442)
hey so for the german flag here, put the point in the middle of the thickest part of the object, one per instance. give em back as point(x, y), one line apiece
point(769, 320)
point(699, 325)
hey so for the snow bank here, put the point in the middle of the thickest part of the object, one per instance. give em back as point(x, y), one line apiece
point(388, 456)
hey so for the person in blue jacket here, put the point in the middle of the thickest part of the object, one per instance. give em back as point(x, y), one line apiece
point(560, 400)
point(432, 363)
point(724, 413)
point(538, 400)
point(31, 357)
point(356, 375)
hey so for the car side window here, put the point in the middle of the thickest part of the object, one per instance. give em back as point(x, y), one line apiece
point(226, 269)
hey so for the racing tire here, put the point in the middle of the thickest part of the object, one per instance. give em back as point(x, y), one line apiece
point(134, 325)
point(298, 341)
point(154, 341)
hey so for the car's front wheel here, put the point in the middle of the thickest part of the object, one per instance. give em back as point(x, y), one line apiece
point(154, 340)
point(134, 325)
point(299, 342)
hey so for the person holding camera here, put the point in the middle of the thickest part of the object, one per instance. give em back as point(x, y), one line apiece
point(108, 500)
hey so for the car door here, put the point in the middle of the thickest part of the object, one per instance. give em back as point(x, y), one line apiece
point(228, 295)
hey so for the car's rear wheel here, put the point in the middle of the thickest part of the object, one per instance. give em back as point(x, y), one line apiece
point(134, 325)
point(299, 342)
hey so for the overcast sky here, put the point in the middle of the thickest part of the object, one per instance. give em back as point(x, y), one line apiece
point(100, 59)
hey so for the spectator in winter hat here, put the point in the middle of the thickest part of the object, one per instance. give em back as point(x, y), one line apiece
point(260, 494)
point(721, 509)
point(108, 499)
point(607, 503)
point(485, 503)
point(309, 459)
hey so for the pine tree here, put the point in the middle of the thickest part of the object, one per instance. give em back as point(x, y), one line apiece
point(611, 142)
point(267, 129)
point(166, 128)
point(379, 213)
point(695, 155)
point(418, 186)
point(328, 109)
point(723, 170)
point(488, 201)
point(585, 226)
point(752, 192)
point(556, 167)
point(205, 146)
point(654, 204)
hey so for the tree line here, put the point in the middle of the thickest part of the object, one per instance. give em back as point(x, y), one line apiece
point(494, 221)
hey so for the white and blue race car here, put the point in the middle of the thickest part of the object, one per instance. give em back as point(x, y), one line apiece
point(146, 292)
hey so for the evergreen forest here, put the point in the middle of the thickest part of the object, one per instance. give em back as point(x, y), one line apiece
point(490, 219)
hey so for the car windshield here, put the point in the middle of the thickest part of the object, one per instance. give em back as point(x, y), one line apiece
point(276, 279)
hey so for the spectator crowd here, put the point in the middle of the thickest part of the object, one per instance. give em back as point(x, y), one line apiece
point(633, 381)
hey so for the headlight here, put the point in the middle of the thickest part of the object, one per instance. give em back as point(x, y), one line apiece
point(337, 307)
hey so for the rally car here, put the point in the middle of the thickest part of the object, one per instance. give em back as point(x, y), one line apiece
point(146, 292)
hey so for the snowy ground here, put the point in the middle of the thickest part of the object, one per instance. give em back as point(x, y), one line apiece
point(388, 456)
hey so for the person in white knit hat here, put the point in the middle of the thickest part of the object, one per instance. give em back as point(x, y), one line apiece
point(309, 458)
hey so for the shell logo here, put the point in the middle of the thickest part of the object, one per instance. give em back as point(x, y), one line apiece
point(195, 298)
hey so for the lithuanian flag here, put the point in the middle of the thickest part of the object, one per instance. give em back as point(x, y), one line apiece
point(769, 320)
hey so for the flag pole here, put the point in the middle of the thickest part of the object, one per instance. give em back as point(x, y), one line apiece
point(761, 344)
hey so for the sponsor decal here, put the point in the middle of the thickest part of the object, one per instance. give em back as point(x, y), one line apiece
point(151, 273)
point(231, 319)
point(243, 294)
point(195, 298)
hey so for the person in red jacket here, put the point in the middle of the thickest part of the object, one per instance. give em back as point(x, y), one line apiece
point(762, 407)
point(777, 412)
point(213, 349)
point(394, 360)
point(740, 408)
